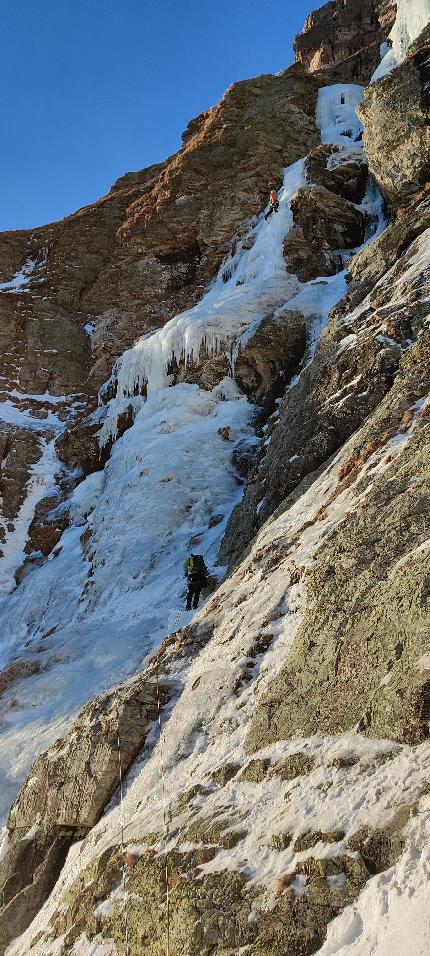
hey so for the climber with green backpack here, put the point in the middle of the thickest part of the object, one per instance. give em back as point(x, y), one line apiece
point(195, 571)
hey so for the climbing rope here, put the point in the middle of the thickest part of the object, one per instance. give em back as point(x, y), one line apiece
point(124, 870)
point(165, 812)
point(166, 809)
point(274, 257)
point(213, 542)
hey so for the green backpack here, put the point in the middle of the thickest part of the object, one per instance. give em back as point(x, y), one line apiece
point(196, 566)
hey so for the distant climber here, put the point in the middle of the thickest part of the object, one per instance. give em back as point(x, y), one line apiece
point(195, 571)
point(273, 203)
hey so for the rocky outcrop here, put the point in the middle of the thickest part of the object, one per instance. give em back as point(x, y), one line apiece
point(269, 360)
point(395, 113)
point(344, 36)
point(324, 224)
point(356, 364)
point(341, 172)
point(361, 638)
point(64, 796)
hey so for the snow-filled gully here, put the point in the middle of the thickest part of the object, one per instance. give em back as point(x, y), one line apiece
point(101, 604)
point(94, 612)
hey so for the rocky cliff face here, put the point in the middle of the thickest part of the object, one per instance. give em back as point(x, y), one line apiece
point(126, 265)
point(259, 782)
point(344, 37)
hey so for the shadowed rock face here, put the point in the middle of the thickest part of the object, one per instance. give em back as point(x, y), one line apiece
point(343, 385)
point(323, 224)
point(344, 36)
point(395, 113)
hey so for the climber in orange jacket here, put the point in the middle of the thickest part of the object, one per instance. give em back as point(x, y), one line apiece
point(274, 203)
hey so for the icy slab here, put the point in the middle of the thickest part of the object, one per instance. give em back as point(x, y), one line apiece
point(391, 916)
point(110, 603)
point(412, 18)
point(257, 283)
point(20, 279)
point(84, 947)
point(40, 482)
point(336, 114)
point(12, 414)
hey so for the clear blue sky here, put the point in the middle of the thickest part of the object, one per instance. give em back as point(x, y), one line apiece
point(90, 89)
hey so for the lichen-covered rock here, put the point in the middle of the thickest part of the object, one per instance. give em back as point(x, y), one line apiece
point(209, 914)
point(65, 794)
point(296, 765)
point(367, 620)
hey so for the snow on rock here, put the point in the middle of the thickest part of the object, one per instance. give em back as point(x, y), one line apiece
point(22, 278)
point(258, 283)
point(105, 598)
point(411, 19)
point(391, 916)
point(83, 947)
point(109, 598)
point(207, 729)
point(14, 538)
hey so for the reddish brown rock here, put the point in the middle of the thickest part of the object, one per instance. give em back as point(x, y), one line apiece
point(344, 37)
point(346, 176)
point(323, 224)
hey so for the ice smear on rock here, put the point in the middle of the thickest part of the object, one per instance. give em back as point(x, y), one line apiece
point(391, 916)
point(412, 18)
point(258, 284)
point(336, 115)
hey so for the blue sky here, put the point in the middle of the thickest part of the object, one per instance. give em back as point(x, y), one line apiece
point(90, 89)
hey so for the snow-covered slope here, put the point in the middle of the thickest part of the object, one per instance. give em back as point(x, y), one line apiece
point(104, 600)
point(288, 819)
point(280, 817)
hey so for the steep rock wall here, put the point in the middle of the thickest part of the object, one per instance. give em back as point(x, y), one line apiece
point(344, 37)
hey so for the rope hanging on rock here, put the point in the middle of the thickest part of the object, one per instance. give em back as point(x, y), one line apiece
point(124, 870)
point(166, 815)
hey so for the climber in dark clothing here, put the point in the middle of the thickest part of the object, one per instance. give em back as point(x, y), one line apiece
point(274, 203)
point(195, 571)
